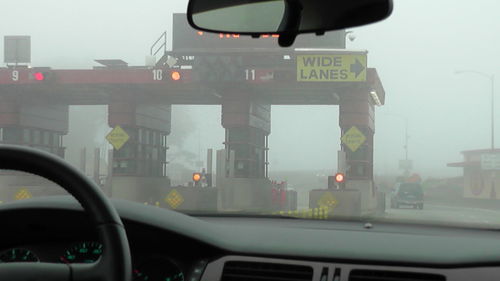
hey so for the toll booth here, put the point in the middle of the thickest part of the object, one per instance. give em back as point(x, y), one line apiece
point(33, 124)
point(139, 139)
point(240, 193)
point(481, 173)
point(357, 123)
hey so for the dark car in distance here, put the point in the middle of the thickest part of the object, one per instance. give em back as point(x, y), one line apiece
point(409, 194)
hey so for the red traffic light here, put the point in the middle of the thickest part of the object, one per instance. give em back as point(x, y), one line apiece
point(176, 75)
point(196, 177)
point(39, 76)
point(339, 178)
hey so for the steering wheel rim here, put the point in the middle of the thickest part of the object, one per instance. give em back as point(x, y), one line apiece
point(115, 262)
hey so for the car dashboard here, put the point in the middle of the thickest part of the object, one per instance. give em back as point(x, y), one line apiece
point(56, 236)
point(169, 246)
point(147, 265)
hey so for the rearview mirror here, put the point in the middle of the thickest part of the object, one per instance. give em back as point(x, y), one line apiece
point(284, 17)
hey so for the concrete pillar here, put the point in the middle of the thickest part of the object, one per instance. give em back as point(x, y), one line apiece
point(248, 125)
point(139, 172)
point(357, 114)
point(242, 179)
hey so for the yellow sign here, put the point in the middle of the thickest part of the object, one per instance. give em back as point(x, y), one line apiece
point(327, 200)
point(117, 137)
point(174, 199)
point(353, 138)
point(23, 194)
point(331, 68)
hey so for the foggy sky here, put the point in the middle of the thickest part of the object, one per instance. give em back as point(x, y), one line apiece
point(415, 52)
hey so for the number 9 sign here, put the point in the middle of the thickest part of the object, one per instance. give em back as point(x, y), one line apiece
point(15, 75)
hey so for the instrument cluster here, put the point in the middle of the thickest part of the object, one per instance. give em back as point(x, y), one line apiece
point(145, 268)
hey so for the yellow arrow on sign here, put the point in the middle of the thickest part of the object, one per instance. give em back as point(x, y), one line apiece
point(353, 138)
point(331, 68)
point(117, 137)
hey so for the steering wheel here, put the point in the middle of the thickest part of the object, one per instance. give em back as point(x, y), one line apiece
point(114, 264)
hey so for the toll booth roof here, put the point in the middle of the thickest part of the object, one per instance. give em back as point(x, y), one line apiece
point(481, 151)
point(464, 164)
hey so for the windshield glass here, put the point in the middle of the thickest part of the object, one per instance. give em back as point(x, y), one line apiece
point(413, 189)
point(160, 114)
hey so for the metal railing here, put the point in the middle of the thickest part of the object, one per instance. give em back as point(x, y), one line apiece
point(155, 48)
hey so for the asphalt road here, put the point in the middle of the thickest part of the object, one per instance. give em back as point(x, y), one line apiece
point(433, 212)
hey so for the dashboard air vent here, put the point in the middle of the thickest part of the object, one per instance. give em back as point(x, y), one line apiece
point(382, 275)
point(257, 271)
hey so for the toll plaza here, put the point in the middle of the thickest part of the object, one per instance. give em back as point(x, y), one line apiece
point(481, 173)
point(245, 76)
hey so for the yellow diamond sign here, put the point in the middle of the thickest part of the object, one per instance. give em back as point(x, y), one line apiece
point(327, 200)
point(23, 194)
point(117, 137)
point(353, 138)
point(174, 199)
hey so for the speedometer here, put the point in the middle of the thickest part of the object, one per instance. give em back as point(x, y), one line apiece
point(159, 269)
point(83, 252)
point(18, 255)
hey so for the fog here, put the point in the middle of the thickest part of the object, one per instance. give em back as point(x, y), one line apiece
point(416, 52)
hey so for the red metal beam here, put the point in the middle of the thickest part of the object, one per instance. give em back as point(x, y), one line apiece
point(23, 76)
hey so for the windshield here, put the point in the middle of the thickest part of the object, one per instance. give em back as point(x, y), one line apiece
point(410, 188)
point(161, 114)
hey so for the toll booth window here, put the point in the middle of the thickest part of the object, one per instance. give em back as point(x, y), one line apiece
point(143, 136)
point(154, 154)
point(10, 135)
point(240, 169)
point(149, 152)
point(259, 164)
point(154, 141)
point(140, 153)
point(124, 167)
point(57, 139)
point(46, 138)
point(36, 137)
point(240, 165)
point(241, 150)
point(26, 136)
point(358, 170)
point(359, 154)
point(126, 151)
